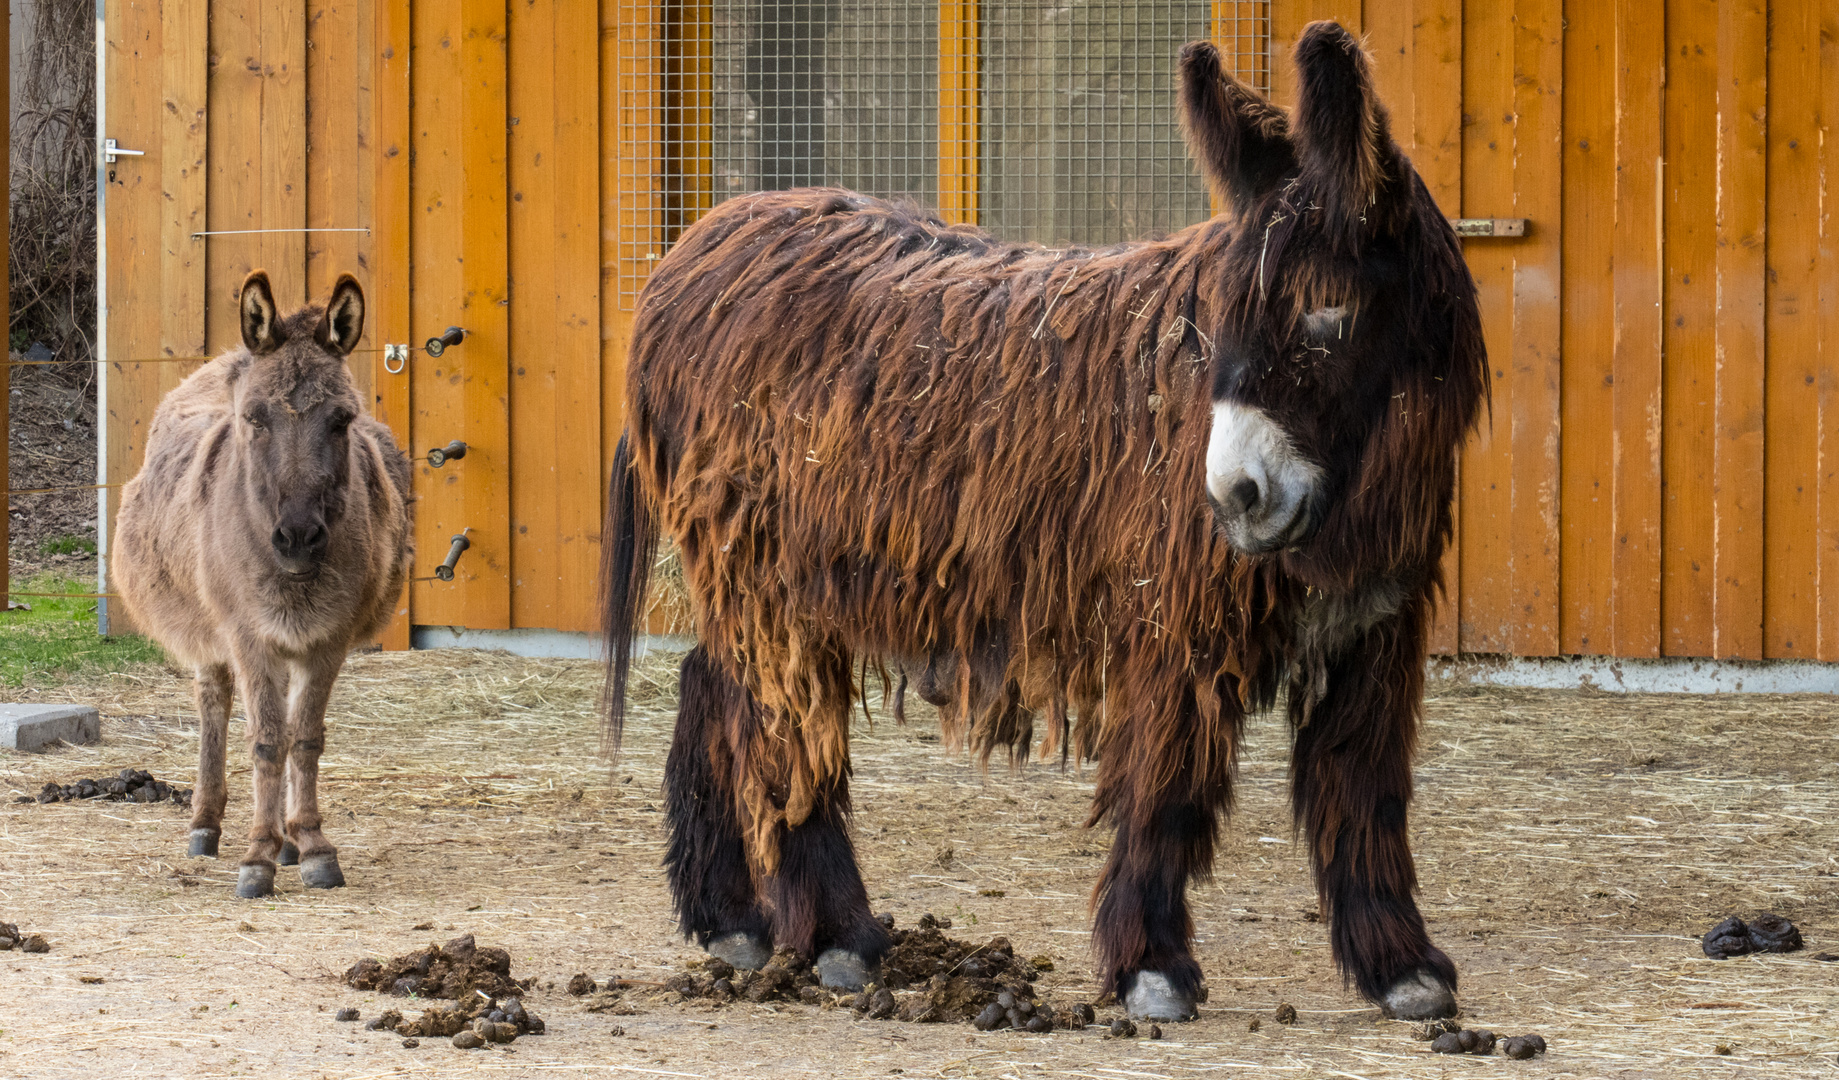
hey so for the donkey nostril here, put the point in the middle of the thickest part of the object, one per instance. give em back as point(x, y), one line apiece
point(280, 540)
point(1245, 494)
point(315, 538)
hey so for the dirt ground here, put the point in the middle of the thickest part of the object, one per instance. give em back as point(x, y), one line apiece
point(52, 444)
point(1572, 847)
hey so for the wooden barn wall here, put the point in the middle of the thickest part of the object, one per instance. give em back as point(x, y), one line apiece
point(1656, 476)
point(457, 138)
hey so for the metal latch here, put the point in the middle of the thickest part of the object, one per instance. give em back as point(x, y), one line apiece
point(397, 355)
point(1500, 226)
point(110, 152)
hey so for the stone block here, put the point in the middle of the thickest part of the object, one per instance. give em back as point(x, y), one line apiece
point(32, 727)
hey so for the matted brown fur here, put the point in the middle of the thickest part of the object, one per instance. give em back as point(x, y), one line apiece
point(873, 434)
point(217, 557)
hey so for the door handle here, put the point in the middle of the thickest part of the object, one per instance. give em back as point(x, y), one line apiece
point(110, 152)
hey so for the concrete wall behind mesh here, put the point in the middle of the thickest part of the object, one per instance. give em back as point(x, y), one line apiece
point(1080, 142)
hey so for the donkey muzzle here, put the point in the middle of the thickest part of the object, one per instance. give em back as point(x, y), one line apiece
point(1262, 488)
point(300, 544)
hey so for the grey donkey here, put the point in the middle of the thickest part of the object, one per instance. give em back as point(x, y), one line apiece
point(268, 532)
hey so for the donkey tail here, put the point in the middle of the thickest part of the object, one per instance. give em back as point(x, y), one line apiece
point(628, 548)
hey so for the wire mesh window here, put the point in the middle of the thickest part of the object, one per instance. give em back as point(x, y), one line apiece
point(1038, 119)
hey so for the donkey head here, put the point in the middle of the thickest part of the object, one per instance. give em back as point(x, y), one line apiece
point(1349, 362)
point(293, 406)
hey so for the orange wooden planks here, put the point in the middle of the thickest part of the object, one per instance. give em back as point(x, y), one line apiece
point(1791, 389)
point(1487, 191)
point(1737, 472)
point(1436, 151)
point(960, 106)
point(1640, 40)
point(485, 271)
point(438, 196)
point(132, 74)
point(1538, 182)
point(1690, 310)
point(1827, 469)
point(534, 83)
point(1417, 62)
point(1585, 477)
point(389, 220)
point(555, 399)
point(577, 425)
point(1287, 22)
point(460, 274)
point(257, 146)
point(184, 62)
point(339, 176)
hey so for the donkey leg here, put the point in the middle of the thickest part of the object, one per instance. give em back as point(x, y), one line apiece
point(290, 855)
point(213, 688)
point(1164, 782)
point(264, 687)
point(820, 906)
point(312, 686)
point(1351, 785)
point(706, 862)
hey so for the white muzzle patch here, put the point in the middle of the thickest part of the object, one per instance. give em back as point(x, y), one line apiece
point(1259, 483)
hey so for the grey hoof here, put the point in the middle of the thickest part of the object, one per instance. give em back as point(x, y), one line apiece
point(204, 842)
point(290, 855)
point(1420, 995)
point(321, 871)
point(839, 969)
point(253, 881)
point(741, 949)
point(1153, 997)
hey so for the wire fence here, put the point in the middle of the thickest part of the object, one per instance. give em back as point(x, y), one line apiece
point(1037, 119)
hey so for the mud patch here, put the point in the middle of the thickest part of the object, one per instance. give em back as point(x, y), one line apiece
point(128, 785)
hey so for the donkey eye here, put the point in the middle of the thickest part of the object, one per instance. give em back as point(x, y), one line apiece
point(254, 420)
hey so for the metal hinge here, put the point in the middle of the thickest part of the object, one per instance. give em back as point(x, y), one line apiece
point(1500, 226)
point(110, 152)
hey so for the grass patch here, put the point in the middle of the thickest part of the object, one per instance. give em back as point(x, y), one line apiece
point(58, 636)
point(67, 545)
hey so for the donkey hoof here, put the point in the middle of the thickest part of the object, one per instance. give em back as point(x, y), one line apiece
point(290, 855)
point(1153, 997)
point(253, 881)
point(840, 969)
point(741, 949)
point(204, 842)
point(321, 871)
point(1420, 995)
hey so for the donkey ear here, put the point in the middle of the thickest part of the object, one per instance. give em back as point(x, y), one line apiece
point(1239, 139)
point(1340, 127)
point(261, 330)
point(343, 323)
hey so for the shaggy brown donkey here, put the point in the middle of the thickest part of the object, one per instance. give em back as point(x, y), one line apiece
point(1144, 485)
point(268, 533)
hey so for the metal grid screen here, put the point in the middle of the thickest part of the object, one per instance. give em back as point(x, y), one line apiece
point(1038, 119)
